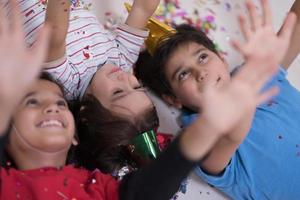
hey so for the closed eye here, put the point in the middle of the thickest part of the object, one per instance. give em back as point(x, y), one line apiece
point(117, 92)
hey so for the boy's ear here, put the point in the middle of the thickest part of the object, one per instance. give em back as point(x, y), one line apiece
point(171, 100)
point(75, 141)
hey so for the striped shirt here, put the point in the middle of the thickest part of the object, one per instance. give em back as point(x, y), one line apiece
point(88, 45)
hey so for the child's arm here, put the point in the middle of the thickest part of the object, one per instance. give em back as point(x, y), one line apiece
point(294, 48)
point(223, 110)
point(57, 16)
point(161, 179)
point(18, 69)
point(263, 51)
point(130, 37)
point(141, 11)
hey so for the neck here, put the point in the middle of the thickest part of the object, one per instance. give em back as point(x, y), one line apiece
point(28, 160)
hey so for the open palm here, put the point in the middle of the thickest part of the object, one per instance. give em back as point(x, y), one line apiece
point(225, 107)
point(19, 65)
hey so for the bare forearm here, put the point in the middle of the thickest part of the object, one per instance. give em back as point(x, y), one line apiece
point(57, 16)
point(140, 13)
point(220, 155)
point(163, 176)
point(197, 140)
point(294, 47)
point(135, 14)
point(296, 7)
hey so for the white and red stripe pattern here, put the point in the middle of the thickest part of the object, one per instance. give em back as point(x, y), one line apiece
point(88, 45)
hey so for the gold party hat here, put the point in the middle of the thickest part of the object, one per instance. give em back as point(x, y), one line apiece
point(157, 30)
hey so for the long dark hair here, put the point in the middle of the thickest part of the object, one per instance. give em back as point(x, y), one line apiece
point(103, 135)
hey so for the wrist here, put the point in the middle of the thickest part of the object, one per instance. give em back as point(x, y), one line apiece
point(138, 18)
point(198, 139)
point(146, 10)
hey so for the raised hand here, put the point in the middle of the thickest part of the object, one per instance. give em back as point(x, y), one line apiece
point(19, 65)
point(263, 46)
point(294, 48)
point(263, 51)
point(227, 111)
point(141, 11)
point(224, 108)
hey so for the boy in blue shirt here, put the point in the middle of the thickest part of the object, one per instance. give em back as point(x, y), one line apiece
point(259, 158)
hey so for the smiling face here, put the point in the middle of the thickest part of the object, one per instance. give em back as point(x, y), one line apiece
point(42, 122)
point(119, 91)
point(191, 68)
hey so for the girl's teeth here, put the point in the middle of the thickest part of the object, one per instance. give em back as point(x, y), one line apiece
point(51, 123)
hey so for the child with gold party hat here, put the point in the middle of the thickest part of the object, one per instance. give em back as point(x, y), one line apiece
point(257, 159)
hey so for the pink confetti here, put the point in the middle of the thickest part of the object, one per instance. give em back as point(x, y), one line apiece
point(29, 13)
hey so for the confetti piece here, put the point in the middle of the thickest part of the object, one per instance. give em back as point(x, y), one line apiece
point(62, 195)
point(227, 6)
point(29, 13)
point(75, 3)
point(86, 55)
point(44, 2)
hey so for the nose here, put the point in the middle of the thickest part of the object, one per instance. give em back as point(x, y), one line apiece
point(122, 76)
point(51, 108)
point(202, 76)
point(125, 82)
point(123, 79)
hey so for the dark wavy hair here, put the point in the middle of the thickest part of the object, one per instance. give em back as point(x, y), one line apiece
point(151, 69)
point(103, 135)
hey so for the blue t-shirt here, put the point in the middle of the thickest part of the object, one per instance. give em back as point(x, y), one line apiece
point(267, 164)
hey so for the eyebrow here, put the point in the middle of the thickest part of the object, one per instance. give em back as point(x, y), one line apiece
point(28, 95)
point(34, 93)
point(113, 99)
point(60, 95)
point(199, 50)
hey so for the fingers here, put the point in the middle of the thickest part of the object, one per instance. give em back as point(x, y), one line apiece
point(267, 95)
point(238, 46)
point(3, 20)
point(244, 27)
point(267, 14)
point(16, 24)
point(288, 26)
point(39, 50)
point(255, 19)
